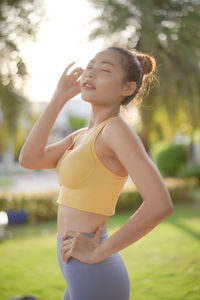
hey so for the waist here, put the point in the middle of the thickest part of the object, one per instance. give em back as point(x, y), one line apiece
point(74, 219)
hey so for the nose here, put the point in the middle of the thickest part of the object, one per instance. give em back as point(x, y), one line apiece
point(91, 73)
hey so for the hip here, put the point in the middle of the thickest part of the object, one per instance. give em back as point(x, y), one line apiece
point(107, 279)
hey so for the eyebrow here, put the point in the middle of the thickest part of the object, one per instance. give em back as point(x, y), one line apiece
point(104, 62)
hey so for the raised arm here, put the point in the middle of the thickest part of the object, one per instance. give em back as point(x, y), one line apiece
point(35, 154)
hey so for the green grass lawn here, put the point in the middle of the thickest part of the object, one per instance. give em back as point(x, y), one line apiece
point(165, 264)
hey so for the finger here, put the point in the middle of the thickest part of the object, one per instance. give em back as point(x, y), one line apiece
point(99, 231)
point(66, 242)
point(69, 233)
point(66, 234)
point(65, 250)
point(66, 256)
point(77, 74)
point(65, 246)
point(68, 67)
point(66, 259)
point(76, 71)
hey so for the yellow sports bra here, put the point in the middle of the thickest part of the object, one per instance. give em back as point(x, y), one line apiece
point(85, 183)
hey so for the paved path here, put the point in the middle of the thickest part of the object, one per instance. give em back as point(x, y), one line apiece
point(32, 181)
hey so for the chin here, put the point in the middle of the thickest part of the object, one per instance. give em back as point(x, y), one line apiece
point(87, 98)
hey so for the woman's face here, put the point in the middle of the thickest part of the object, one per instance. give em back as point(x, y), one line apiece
point(104, 77)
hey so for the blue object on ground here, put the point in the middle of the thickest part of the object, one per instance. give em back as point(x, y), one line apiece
point(16, 217)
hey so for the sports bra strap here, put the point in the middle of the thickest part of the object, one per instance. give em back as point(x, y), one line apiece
point(98, 128)
point(94, 131)
point(75, 139)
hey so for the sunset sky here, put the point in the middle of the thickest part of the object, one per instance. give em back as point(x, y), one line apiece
point(60, 40)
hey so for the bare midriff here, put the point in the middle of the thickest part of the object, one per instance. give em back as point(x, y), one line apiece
point(77, 220)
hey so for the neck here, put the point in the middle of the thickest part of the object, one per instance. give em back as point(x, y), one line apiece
point(97, 118)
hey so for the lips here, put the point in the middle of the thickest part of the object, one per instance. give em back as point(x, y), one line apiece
point(88, 84)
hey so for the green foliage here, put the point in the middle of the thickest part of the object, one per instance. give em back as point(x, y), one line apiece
point(77, 122)
point(13, 106)
point(170, 159)
point(166, 30)
point(156, 148)
point(38, 207)
point(5, 181)
point(128, 199)
point(183, 190)
point(186, 171)
point(19, 22)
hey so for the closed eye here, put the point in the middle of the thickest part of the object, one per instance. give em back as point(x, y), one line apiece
point(106, 70)
point(88, 68)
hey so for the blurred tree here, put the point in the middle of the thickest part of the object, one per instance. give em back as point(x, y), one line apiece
point(19, 21)
point(76, 122)
point(168, 30)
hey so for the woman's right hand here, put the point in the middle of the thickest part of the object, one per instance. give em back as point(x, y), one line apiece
point(68, 85)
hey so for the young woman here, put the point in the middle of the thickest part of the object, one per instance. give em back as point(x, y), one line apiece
point(92, 165)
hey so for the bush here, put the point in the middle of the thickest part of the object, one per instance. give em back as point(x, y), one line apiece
point(171, 159)
point(38, 207)
point(186, 171)
point(182, 190)
point(156, 148)
point(128, 199)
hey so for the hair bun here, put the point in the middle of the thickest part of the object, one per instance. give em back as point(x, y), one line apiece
point(147, 63)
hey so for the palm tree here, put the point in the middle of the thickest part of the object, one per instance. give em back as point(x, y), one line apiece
point(19, 21)
point(168, 30)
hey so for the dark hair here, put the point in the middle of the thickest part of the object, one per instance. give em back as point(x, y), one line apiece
point(138, 67)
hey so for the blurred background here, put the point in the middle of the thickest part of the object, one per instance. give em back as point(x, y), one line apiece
point(38, 39)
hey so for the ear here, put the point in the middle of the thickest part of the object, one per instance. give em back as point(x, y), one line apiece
point(128, 88)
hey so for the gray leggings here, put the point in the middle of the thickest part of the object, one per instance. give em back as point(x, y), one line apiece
point(105, 280)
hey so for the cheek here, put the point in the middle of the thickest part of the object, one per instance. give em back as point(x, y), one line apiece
point(112, 85)
point(108, 82)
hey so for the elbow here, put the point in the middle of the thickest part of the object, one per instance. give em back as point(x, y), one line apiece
point(20, 158)
point(167, 206)
point(170, 206)
point(168, 210)
point(22, 161)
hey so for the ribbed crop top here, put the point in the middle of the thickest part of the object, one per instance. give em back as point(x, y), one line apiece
point(85, 183)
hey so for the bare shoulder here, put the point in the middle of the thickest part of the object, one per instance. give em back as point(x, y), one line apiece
point(120, 135)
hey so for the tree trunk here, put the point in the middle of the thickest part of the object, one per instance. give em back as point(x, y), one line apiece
point(191, 159)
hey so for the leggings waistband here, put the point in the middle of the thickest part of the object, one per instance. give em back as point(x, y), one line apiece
point(104, 235)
